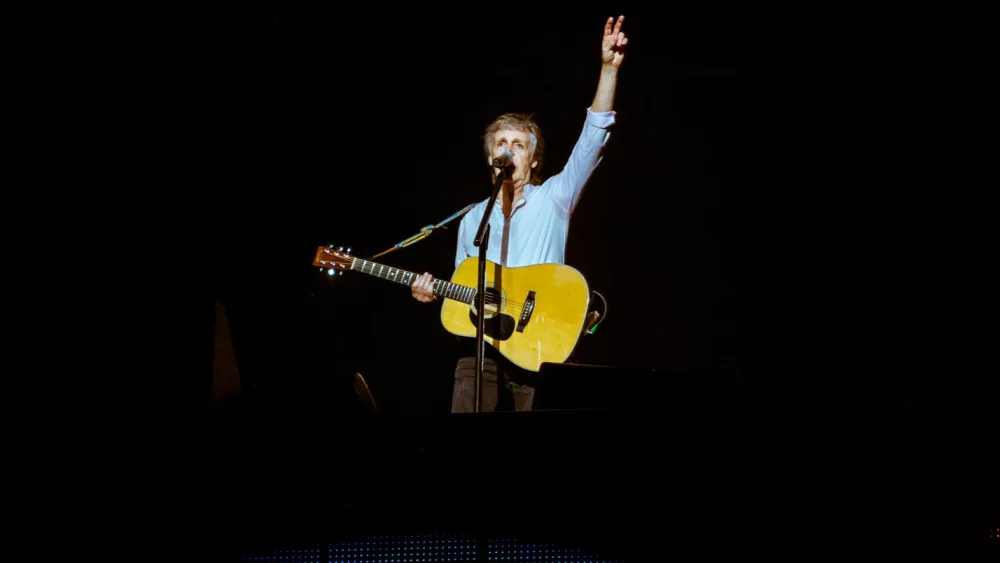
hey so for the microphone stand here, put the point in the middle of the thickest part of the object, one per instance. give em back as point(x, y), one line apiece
point(482, 241)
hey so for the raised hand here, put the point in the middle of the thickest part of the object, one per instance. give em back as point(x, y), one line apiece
point(613, 46)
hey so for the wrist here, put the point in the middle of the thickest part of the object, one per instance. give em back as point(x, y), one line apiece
point(608, 68)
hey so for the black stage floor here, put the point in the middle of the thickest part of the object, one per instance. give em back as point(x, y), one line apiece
point(712, 474)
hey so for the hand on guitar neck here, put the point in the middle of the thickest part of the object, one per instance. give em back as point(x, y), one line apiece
point(422, 290)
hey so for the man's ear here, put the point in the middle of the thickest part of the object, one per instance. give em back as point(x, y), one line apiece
point(534, 164)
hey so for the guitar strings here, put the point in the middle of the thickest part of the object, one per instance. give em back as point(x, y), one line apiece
point(490, 298)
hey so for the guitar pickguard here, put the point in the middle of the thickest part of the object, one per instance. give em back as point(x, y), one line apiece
point(497, 327)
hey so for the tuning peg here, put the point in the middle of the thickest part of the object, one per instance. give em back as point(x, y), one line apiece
point(331, 272)
point(340, 248)
point(322, 269)
point(329, 246)
point(348, 249)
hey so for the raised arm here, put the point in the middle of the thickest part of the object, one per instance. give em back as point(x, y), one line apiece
point(567, 186)
point(612, 54)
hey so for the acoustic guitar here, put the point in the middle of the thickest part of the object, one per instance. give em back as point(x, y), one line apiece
point(534, 314)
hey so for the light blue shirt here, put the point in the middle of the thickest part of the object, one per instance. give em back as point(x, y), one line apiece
point(539, 223)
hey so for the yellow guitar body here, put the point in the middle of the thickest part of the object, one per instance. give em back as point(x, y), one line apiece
point(534, 314)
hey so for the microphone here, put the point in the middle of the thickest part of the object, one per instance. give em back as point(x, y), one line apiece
point(505, 160)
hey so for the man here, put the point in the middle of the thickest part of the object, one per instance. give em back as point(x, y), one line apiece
point(530, 221)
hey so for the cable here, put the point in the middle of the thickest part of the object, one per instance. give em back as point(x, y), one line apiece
point(603, 317)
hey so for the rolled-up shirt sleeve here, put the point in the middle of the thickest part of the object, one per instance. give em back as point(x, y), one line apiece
point(566, 187)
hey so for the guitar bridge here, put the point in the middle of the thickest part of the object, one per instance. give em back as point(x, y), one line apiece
point(529, 306)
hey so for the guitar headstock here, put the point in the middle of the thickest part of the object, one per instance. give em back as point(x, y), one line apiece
point(335, 259)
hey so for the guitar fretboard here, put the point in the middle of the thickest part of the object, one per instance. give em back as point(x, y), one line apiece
point(442, 288)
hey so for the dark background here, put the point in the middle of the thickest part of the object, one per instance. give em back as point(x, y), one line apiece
point(359, 125)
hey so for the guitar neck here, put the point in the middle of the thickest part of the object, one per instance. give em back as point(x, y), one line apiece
point(440, 288)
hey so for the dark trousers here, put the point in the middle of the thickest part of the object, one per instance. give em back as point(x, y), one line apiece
point(514, 395)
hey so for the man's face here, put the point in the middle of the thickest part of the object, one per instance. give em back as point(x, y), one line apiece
point(517, 143)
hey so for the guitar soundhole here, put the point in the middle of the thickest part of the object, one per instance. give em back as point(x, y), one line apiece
point(492, 305)
point(497, 326)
